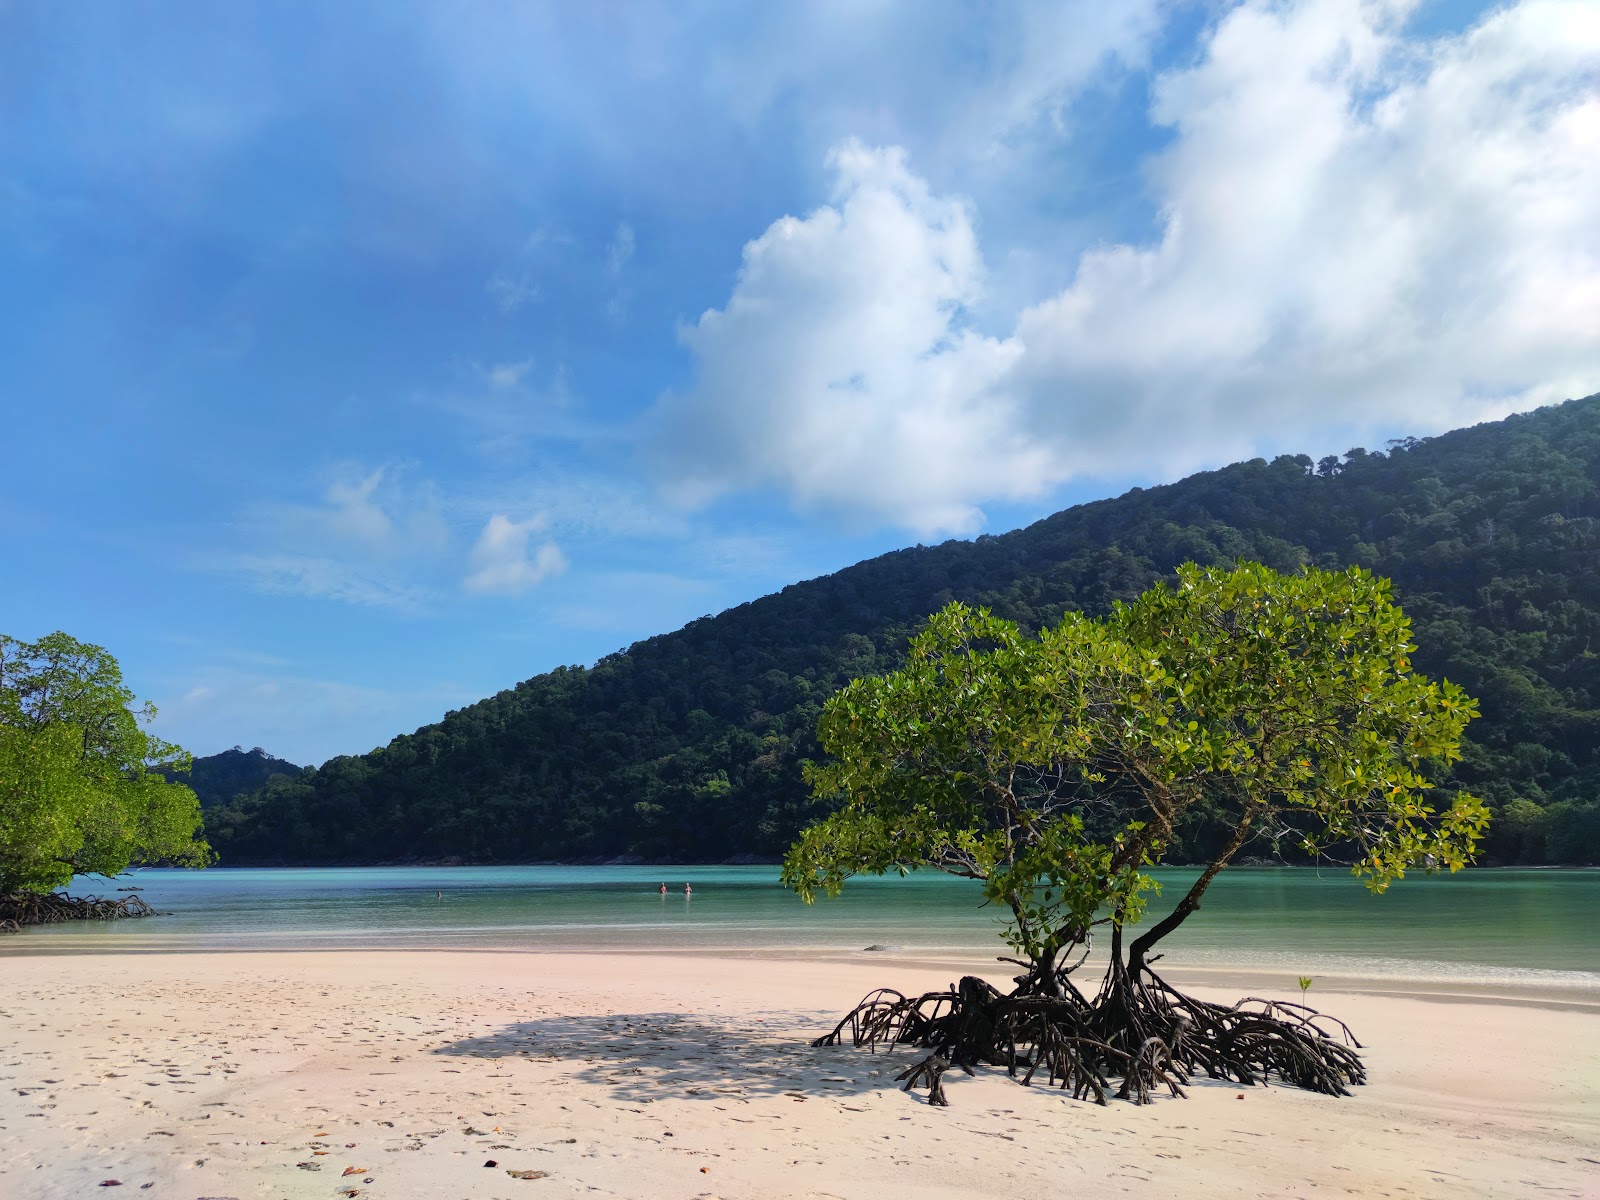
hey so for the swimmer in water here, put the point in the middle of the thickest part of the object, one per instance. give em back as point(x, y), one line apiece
point(663, 889)
point(687, 890)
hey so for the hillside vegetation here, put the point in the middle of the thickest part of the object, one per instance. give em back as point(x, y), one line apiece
point(687, 746)
point(218, 778)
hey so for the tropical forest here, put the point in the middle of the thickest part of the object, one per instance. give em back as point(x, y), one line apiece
point(691, 746)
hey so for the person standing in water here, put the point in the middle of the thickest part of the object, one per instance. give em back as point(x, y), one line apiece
point(663, 889)
point(687, 890)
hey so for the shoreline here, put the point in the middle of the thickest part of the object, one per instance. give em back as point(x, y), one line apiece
point(1581, 993)
point(690, 1075)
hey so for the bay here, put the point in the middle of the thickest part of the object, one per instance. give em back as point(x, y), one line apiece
point(1531, 926)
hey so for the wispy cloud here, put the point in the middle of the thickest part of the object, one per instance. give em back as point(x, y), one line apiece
point(510, 291)
point(620, 250)
point(618, 255)
point(505, 410)
point(375, 539)
point(381, 511)
point(503, 376)
point(327, 579)
point(582, 506)
point(351, 511)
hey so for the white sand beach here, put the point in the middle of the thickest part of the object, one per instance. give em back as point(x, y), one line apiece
point(276, 1076)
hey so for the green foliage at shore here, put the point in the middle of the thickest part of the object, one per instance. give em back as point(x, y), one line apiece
point(1057, 768)
point(689, 745)
point(84, 789)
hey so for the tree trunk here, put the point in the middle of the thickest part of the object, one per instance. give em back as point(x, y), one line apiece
point(1139, 951)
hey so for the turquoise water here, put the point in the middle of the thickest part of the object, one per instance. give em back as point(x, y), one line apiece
point(1529, 925)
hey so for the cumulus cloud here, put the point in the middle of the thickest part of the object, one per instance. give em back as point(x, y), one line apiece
point(501, 561)
point(841, 368)
point(1358, 231)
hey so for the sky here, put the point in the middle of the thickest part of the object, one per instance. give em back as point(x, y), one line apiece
point(361, 359)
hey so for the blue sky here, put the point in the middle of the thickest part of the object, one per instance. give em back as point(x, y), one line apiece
point(362, 359)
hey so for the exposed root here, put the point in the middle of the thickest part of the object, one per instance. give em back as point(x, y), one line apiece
point(1138, 1035)
point(928, 1071)
point(34, 908)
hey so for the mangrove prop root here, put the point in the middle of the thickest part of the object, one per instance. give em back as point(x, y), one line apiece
point(928, 1071)
point(32, 908)
point(1136, 1037)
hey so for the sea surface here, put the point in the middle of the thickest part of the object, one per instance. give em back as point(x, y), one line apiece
point(1528, 926)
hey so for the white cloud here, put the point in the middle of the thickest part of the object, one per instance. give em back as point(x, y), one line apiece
point(618, 254)
point(378, 544)
point(353, 513)
point(1358, 232)
point(376, 513)
point(841, 369)
point(503, 376)
point(501, 562)
point(512, 290)
point(371, 541)
point(620, 250)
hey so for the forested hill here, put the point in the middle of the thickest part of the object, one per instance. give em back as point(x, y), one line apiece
point(218, 778)
point(687, 746)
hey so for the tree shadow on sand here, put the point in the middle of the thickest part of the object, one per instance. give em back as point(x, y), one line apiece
point(652, 1056)
point(644, 1057)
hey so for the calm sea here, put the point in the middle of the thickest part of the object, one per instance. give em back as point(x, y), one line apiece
point(1533, 926)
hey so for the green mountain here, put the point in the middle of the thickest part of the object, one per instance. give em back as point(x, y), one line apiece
point(687, 746)
point(218, 778)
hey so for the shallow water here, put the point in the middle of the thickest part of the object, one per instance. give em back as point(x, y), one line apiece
point(1531, 926)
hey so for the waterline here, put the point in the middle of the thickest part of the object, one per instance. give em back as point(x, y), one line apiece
point(1480, 927)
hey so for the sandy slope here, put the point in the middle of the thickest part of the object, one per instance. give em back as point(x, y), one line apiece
point(268, 1075)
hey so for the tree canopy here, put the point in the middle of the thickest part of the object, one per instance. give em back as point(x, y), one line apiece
point(218, 778)
point(1056, 768)
point(83, 788)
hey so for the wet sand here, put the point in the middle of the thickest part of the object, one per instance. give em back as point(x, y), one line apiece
point(401, 1074)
